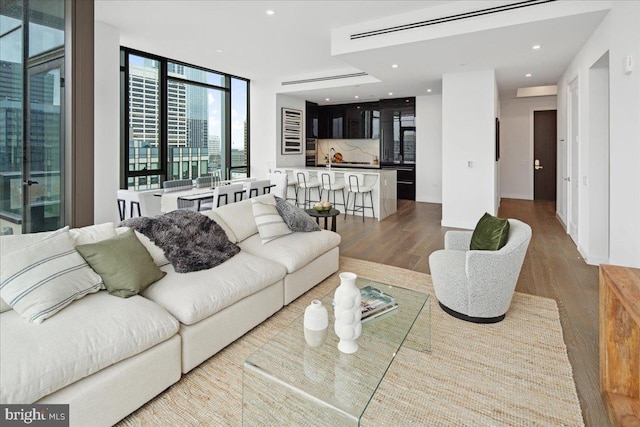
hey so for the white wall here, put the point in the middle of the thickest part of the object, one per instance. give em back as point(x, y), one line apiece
point(516, 144)
point(598, 226)
point(288, 160)
point(618, 34)
point(429, 148)
point(264, 147)
point(468, 135)
point(107, 123)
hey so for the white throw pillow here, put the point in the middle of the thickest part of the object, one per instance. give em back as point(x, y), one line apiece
point(93, 233)
point(42, 279)
point(270, 223)
point(15, 242)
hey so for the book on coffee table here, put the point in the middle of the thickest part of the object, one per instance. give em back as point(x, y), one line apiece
point(375, 303)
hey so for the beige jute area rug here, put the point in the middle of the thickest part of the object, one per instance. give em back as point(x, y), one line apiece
point(514, 373)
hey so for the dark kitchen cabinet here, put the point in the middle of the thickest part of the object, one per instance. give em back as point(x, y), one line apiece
point(406, 179)
point(311, 120)
point(331, 119)
point(351, 121)
point(397, 120)
point(398, 142)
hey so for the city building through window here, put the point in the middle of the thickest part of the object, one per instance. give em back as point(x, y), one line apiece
point(180, 121)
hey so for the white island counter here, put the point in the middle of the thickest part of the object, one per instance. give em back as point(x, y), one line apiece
point(383, 182)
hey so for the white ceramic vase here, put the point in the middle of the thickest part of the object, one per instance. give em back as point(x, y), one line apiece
point(316, 322)
point(347, 313)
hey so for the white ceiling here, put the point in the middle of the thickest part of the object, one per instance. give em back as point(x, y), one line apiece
point(296, 41)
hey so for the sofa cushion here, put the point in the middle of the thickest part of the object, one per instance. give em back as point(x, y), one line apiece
point(40, 280)
point(239, 218)
point(87, 336)
point(218, 219)
point(125, 265)
point(295, 250)
point(191, 297)
point(270, 224)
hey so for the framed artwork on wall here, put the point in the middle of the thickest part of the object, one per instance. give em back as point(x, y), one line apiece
point(291, 131)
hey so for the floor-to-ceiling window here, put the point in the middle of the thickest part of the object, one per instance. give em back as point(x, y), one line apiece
point(180, 121)
point(31, 115)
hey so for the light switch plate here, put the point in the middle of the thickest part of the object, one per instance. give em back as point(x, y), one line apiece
point(628, 64)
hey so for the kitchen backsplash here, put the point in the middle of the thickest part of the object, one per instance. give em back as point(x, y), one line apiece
point(352, 150)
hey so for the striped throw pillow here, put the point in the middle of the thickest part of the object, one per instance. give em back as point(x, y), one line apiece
point(40, 280)
point(270, 223)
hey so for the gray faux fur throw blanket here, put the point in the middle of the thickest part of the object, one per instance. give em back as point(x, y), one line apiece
point(190, 241)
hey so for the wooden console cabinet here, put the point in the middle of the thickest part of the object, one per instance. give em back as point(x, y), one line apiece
point(620, 343)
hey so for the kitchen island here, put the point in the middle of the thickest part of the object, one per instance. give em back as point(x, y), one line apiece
point(382, 181)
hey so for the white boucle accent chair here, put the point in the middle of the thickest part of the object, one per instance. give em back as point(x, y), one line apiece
point(477, 286)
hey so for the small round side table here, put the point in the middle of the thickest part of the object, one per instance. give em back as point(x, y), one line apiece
point(332, 213)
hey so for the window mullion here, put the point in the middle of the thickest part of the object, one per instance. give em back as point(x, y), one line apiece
point(227, 127)
point(163, 147)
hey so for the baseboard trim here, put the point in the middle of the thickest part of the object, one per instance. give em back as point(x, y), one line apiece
point(562, 221)
point(595, 260)
point(429, 199)
point(517, 196)
point(481, 320)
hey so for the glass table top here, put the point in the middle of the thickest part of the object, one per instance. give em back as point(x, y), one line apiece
point(344, 383)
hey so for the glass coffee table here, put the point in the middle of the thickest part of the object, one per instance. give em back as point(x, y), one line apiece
point(287, 382)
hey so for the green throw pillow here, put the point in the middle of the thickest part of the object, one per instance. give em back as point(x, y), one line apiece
point(490, 234)
point(125, 265)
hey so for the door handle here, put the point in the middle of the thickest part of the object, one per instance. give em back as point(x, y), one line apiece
point(536, 164)
point(29, 182)
point(536, 167)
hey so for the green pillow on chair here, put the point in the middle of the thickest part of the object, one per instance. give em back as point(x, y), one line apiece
point(125, 265)
point(490, 234)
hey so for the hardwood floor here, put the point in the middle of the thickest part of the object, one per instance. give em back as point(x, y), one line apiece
point(553, 268)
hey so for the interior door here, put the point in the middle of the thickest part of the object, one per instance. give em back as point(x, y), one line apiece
point(544, 154)
point(44, 149)
point(573, 180)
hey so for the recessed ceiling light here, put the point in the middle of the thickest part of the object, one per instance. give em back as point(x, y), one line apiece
point(356, 97)
point(390, 93)
point(528, 75)
point(394, 66)
point(219, 50)
point(429, 90)
point(536, 47)
point(327, 99)
point(270, 12)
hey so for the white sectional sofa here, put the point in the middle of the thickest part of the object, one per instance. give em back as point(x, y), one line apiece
point(106, 356)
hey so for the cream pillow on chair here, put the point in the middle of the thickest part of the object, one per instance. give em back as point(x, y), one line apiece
point(40, 280)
